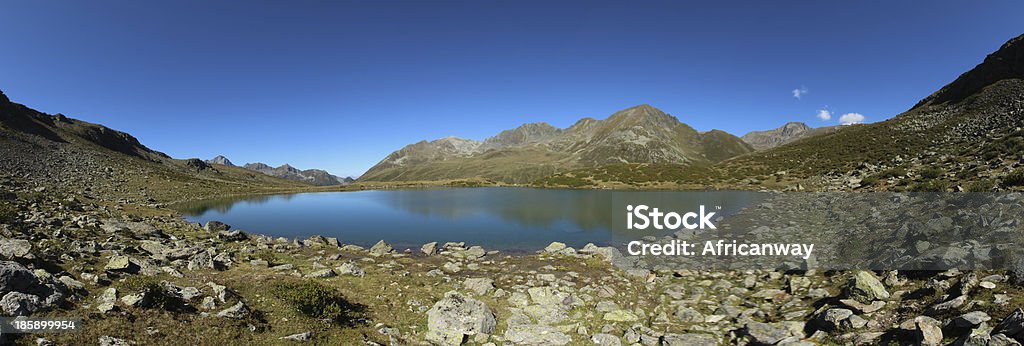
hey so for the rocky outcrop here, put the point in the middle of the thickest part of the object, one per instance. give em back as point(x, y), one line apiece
point(1005, 63)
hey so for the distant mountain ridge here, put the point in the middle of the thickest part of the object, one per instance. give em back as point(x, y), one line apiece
point(310, 176)
point(60, 128)
point(100, 162)
point(787, 133)
point(640, 134)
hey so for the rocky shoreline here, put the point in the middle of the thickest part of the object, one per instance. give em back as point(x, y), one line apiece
point(141, 275)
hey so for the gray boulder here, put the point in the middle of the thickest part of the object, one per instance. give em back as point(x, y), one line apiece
point(217, 226)
point(832, 319)
point(605, 340)
point(235, 235)
point(15, 248)
point(381, 248)
point(1012, 325)
point(429, 249)
point(865, 287)
point(299, 337)
point(536, 334)
point(15, 277)
point(455, 316)
point(689, 339)
point(765, 333)
point(480, 286)
point(349, 268)
point(20, 304)
point(237, 311)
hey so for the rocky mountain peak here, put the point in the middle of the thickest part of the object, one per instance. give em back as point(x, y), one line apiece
point(644, 114)
point(3, 98)
point(456, 144)
point(289, 168)
point(524, 134)
point(794, 127)
point(789, 132)
point(220, 160)
point(1005, 63)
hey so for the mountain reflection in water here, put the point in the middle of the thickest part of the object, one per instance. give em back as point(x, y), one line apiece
point(500, 218)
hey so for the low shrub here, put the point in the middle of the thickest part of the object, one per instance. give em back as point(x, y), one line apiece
point(8, 213)
point(315, 300)
point(1015, 178)
point(930, 186)
point(157, 295)
point(931, 173)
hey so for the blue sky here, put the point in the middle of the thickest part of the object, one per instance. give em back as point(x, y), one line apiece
point(339, 85)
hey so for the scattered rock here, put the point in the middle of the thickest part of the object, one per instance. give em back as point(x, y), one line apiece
point(605, 340)
point(322, 273)
point(620, 315)
point(112, 341)
point(536, 334)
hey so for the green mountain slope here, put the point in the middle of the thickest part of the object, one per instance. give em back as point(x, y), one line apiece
point(106, 164)
point(965, 137)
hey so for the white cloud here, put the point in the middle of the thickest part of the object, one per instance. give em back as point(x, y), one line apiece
point(824, 114)
point(798, 93)
point(851, 118)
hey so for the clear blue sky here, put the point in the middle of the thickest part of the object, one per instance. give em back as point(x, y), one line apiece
point(338, 85)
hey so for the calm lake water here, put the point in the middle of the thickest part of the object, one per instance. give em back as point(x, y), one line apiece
point(508, 219)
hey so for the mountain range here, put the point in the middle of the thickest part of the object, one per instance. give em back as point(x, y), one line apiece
point(966, 133)
point(310, 176)
point(641, 134)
